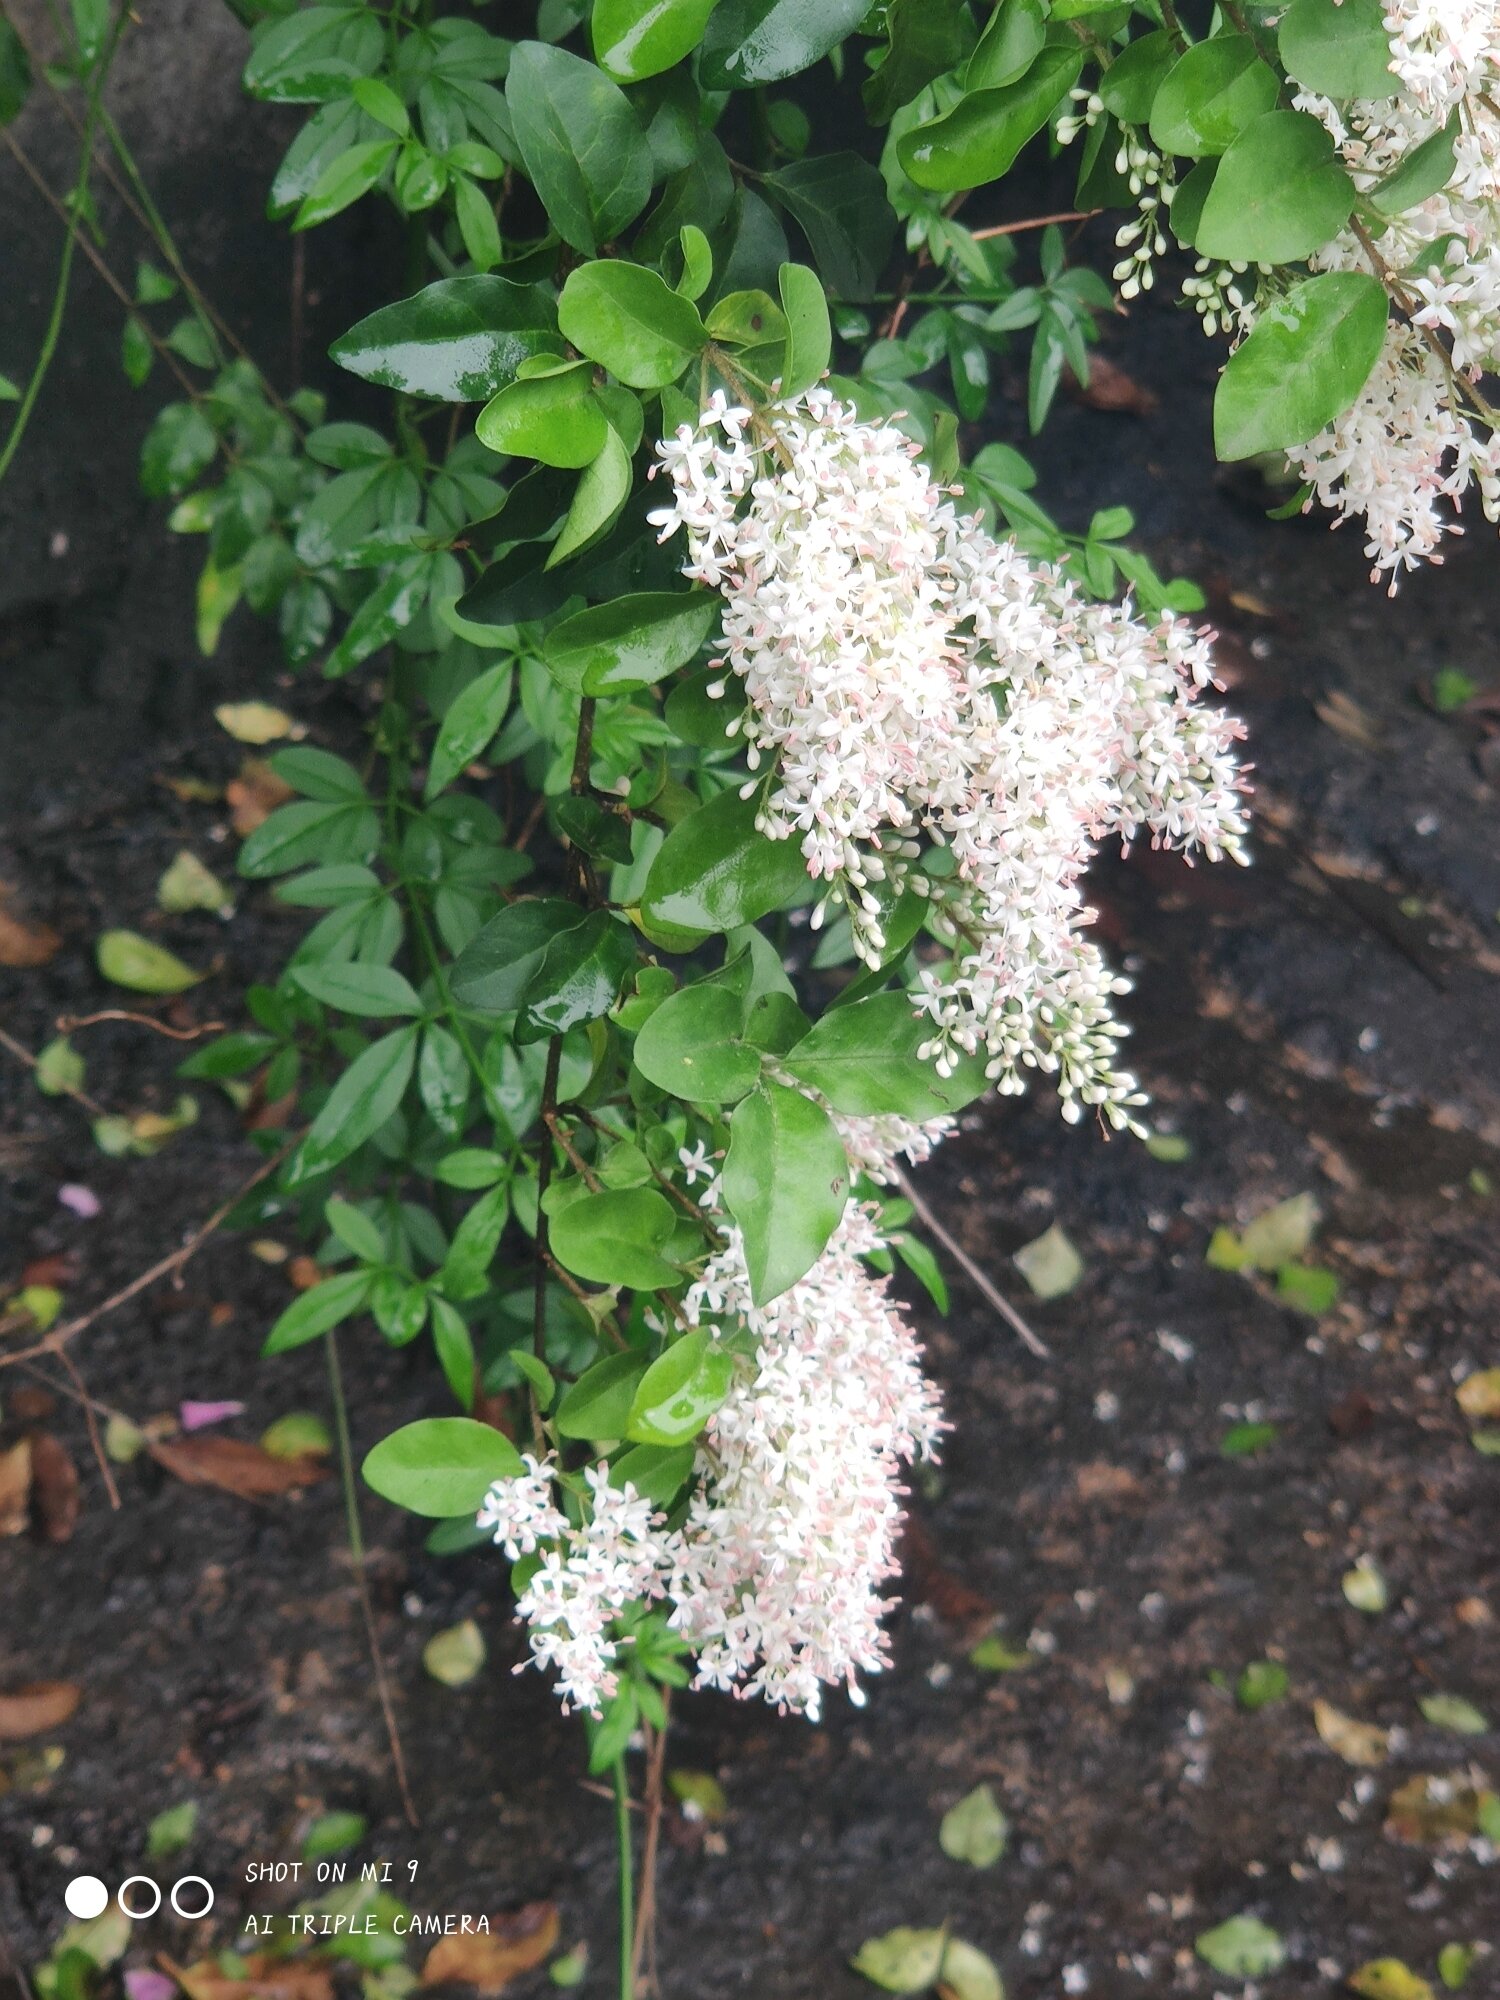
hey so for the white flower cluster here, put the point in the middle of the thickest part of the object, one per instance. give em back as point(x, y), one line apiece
point(1415, 441)
point(945, 715)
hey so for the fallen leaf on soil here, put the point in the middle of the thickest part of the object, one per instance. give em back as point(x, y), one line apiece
point(1242, 1948)
point(1451, 1711)
point(1352, 1415)
point(192, 791)
point(37, 1707)
point(198, 1416)
point(246, 1470)
point(1388, 1979)
point(256, 1977)
point(129, 960)
point(1356, 1742)
point(1479, 1394)
point(305, 1272)
point(1261, 1683)
point(975, 1830)
point(54, 1488)
point(930, 1581)
point(1050, 1265)
point(254, 721)
point(57, 1271)
point(23, 944)
point(1436, 1811)
point(1456, 1962)
point(80, 1201)
point(1346, 718)
point(995, 1655)
point(903, 1961)
point(254, 795)
point(454, 1657)
point(188, 885)
point(298, 1432)
point(699, 1793)
point(1365, 1587)
point(489, 1961)
point(1110, 388)
point(30, 1404)
point(966, 1974)
point(15, 1488)
point(59, 1068)
point(268, 1251)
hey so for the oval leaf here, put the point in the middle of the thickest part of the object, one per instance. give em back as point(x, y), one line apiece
point(441, 1466)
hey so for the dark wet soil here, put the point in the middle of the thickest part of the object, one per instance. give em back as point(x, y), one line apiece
point(1325, 1022)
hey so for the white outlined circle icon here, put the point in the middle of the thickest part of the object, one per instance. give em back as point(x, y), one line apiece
point(125, 1906)
point(85, 1897)
point(182, 1883)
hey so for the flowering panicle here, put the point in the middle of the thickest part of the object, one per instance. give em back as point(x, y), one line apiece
point(945, 715)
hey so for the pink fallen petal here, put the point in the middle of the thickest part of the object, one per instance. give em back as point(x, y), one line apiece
point(83, 1201)
point(198, 1416)
point(141, 1983)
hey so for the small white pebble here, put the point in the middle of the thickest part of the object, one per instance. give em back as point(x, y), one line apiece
point(1153, 1604)
point(939, 1674)
point(1106, 1406)
point(1174, 1344)
point(1075, 1979)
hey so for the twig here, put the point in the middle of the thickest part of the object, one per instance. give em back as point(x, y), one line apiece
point(971, 1270)
point(58, 1338)
point(68, 1024)
point(645, 1921)
point(627, 1887)
point(357, 1554)
point(1031, 222)
point(23, 1054)
point(1428, 335)
point(93, 1423)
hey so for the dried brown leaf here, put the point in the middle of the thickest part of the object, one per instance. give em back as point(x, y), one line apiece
point(37, 1707)
point(246, 1470)
point(258, 1977)
point(489, 1961)
point(24, 944)
point(1434, 1811)
point(54, 1487)
point(15, 1488)
point(1110, 388)
point(1356, 1742)
point(254, 795)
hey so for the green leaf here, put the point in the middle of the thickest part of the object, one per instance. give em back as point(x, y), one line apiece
point(786, 1179)
point(975, 1830)
point(127, 959)
point(459, 340)
point(374, 95)
point(980, 138)
point(441, 1466)
point(358, 1105)
point(631, 643)
point(680, 1391)
point(581, 143)
point(475, 211)
point(1208, 97)
point(1247, 1440)
point(658, 1473)
point(926, 37)
point(178, 448)
point(389, 609)
point(170, 1832)
point(333, 1833)
point(863, 1059)
point(903, 1961)
point(613, 1238)
point(343, 181)
point(470, 1167)
point(639, 38)
point(579, 978)
point(314, 54)
point(553, 417)
point(1262, 1683)
point(1455, 1962)
point(355, 1230)
point(752, 42)
point(455, 1656)
point(375, 991)
point(629, 320)
point(1050, 1265)
point(1281, 1233)
point(136, 352)
point(465, 1270)
point(715, 871)
point(602, 492)
point(187, 885)
point(1242, 1948)
point(298, 1433)
point(1010, 44)
point(493, 971)
point(1424, 172)
point(598, 1404)
point(809, 336)
point(15, 75)
point(59, 1068)
point(1453, 1712)
point(839, 201)
point(691, 1047)
point(1339, 48)
point(1308, 1287)
point(473, 716)
point(593, 827)
point(454, 1346)
point(1306, 360)
point(314, 1311)
point(1279, 195)
point(309, 831)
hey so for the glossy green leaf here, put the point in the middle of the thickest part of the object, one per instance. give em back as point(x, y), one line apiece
point(752, 42)
point(346, 178)
point(863, 1058)
point(1211, 93)
point(1307, 358)
point(980, 138)
point(692, 1046)
point(589, 825)
point(388, 609)
point(459, 340)
point(579, 978)
point(366, 1094)
point(680, 1391)
point(1128, 87)
point(1338, 48)
point(615, 1238)
point(598, 1404)
point(715, 871)
point(925, 38)
point(602, 491)
point(492, 973)
point(314, 54)
point(631, 643)
point(658, 1473)
point(629, 320)
point(309, 831)
point(1280, 193)
point(839, 202)
point(465, 1270)
point(581, 143)
point(633, 39)
point(377, 991)
point(809, 335)
point(441, 1466)
point(127, 959)
point(316, 1310)
point(178, 448)
point(786, 1179)
point(1424, 172)
point(555, 418)
point(473, 716)
point(1015, 36)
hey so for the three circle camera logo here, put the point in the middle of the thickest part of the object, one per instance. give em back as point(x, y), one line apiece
point(138, 1896)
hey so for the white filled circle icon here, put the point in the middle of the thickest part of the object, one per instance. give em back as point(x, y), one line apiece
point(85, 1898)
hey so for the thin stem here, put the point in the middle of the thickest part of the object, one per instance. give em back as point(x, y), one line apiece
point(357, 1557)
point(23, 1054)
point(1034, 222)
point(645, 1923)
point(627, 1882)
point(1427, 334)
point(971, 1270)
point(70, 241)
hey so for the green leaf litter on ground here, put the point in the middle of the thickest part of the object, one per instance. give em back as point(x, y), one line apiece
point(455, 1656)
point(975, 1830)
point(1242, 1948)
point(1365, 1587)
point(1050, 1264)
point(1453, 1712)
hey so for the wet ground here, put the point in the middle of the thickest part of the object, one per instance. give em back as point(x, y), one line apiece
point(1325, 1022)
